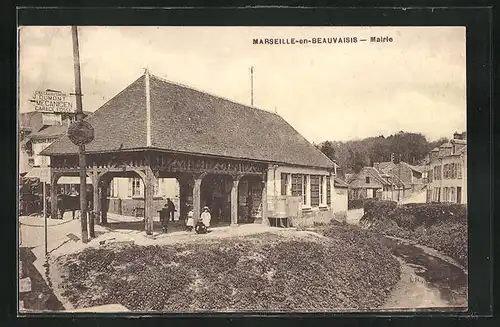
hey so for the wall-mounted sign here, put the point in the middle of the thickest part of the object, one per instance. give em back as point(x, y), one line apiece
point(81, 132)
point(52, 101)
point(51, 119)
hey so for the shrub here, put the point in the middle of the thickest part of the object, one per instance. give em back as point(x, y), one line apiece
point(441, 226)
point(355, 204)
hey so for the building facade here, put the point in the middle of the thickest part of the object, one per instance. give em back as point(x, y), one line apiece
point(447, 172)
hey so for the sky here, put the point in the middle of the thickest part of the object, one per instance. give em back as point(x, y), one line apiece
point(338, 92)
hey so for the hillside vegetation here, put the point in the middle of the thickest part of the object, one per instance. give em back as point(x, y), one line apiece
point(299, 271)
point(353, 155)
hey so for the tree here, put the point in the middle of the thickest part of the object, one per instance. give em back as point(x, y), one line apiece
point(328, 149)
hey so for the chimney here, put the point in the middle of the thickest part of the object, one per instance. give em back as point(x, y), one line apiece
point(457, 136)
point(376, 165)
point(445, 150)
point(434, 155)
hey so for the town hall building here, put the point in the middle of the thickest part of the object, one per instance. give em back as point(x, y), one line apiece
point(245, 163)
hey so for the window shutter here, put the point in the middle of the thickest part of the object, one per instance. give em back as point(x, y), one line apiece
point(283, 183)
point(328, 191)
point(314, 190)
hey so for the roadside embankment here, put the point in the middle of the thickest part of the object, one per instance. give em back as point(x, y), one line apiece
point(440, 226)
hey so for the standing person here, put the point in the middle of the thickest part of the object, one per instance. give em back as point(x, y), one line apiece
point(170, 209)
point(164, 218)
point(206, 217)
point(190, 220)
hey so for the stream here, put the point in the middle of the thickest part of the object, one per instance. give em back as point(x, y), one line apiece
point(429, 279)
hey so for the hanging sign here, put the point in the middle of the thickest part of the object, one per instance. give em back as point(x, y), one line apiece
point(81, 132)
point(52, 101)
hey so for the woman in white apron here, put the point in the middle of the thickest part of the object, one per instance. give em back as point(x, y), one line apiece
point(206, 217)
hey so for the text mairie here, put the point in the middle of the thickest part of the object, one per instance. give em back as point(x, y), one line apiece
point(381, 39)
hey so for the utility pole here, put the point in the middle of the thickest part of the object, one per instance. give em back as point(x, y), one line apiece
point(81, 147)
point(251, 86)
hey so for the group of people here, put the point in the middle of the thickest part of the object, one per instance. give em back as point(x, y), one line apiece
point(202, 224)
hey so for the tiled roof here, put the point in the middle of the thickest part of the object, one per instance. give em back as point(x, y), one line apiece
point(362, 184)
point(52, 131)
point(374, 172)
point(385, 167)
point(339, 183)
point(191, 121)
point(461, 150)
point(415, 168)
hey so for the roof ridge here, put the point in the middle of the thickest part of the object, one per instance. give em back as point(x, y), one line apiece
point(165, 80)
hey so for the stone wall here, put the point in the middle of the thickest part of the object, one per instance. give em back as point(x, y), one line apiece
point(126, 207)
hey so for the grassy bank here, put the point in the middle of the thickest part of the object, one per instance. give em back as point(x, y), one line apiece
point(297, 271)
point(440, 226)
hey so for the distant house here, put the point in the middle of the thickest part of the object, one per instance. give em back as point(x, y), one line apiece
point(409, 174)
point(371, 182)
point(447, 171)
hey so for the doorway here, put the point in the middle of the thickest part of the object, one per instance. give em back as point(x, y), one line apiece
point(459, 194)
point(216, 194)
point(369, 193)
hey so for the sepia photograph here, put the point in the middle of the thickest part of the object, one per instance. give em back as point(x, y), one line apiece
point(182, 169)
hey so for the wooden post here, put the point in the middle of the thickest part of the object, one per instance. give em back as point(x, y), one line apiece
point(96, 198)
point(197, 198)
point(53, 196)
point(149, 183)
point(104, 202)
point(81, 148)
point(234, 201)
point(265, 221)
point(45, 218)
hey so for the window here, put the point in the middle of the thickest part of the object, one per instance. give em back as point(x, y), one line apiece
point(459, 170)
point(284, 184)
point(297, 185)
point(367, 179)
point(437, 172)
point(134, 187)
point(328, 191)
point(452, 195)
point(314, 190)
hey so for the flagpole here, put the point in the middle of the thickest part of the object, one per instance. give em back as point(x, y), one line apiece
point(251, 86)
point(81, 152)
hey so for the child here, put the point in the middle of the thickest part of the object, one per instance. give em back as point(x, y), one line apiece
point(206, 217)
point(190, 221)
